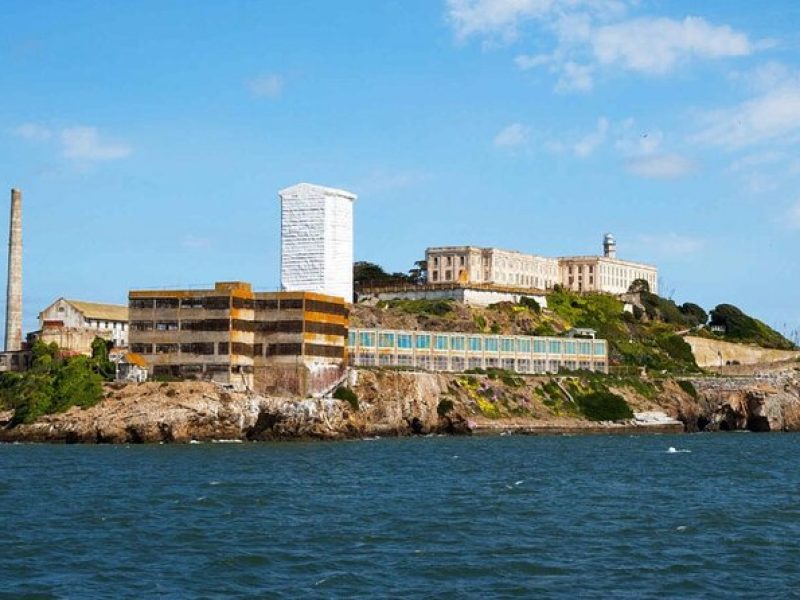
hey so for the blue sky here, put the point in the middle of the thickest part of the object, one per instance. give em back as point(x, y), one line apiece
point(150, 138)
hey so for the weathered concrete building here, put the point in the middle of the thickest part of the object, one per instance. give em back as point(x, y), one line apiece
point(317, 240)
point(270, 342)
point(74, 324)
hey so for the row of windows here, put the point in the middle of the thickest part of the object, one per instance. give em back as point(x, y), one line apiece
point(444, 342)
point(225, 302)
point(459, 364)
point(286, 326)
point(241, 349)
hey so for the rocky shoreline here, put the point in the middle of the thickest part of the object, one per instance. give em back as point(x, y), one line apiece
point(392, 403)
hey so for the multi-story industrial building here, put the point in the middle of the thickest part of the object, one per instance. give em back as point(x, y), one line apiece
point(448, 351)
point(276, 342)
point(505, 268)
point(511, 269)
point(317, 240)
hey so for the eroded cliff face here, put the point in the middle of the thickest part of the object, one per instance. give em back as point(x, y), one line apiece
point(392, 403)
point(764, 402)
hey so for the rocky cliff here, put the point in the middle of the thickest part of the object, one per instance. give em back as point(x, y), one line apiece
point(392, 403)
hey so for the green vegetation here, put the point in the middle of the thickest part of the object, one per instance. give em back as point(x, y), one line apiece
point(56, 383)
point(688, 387)
point(604, 406)
point(530, 304)
point(348, 395)
point(740, 327)
point(437, 308)
point(445, 406)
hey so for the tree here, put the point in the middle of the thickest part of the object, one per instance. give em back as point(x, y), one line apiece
point(638, 286)
point(694, 312)
point(419, 273)
point(364, 271)
point(100, 361)
point(76, 384)
point(742, 328)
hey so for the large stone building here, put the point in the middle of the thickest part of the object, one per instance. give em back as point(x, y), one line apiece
point(511, 269)
point(74, 324)
point(317, 240)
point(269, 342)
point(493, 266)
point(605, 273)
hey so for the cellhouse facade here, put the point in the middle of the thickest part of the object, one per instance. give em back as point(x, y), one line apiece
point(449, 351)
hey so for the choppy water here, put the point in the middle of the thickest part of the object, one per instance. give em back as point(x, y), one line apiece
point(445, 517)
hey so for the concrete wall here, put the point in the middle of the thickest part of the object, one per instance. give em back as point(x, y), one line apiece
point(473, 297)
point(716, 353)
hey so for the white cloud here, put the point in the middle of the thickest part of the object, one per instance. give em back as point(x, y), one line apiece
point(661, 166)
point(574, 78)
point(502, 18)
point(513, 136)
point(793, 216)
point(672, 244)
point(656, 45)
point(266, 86)
point(33, 132)
point(772, 116)
point(587, 145)
point(193, 242)
point(590, 35)
point(84, 144)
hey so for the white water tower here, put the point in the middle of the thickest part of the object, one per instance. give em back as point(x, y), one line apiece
point(317, 240)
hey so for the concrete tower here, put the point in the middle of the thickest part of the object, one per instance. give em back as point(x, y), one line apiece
point(14, 290)
point(609, 246)
point(317, 240)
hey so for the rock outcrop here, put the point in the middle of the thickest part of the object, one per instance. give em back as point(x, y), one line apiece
point(394, 403)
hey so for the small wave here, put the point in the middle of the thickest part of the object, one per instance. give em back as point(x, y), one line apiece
point(233, 441)
point(674, 450)
point(195, 442)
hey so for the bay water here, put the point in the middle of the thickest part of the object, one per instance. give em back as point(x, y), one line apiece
point(709, 515)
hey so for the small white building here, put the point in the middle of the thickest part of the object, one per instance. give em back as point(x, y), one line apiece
point(130, 368)
point(317, 240)
point(79, 320)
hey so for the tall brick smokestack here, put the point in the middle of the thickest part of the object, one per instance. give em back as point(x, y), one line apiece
point(14, 290)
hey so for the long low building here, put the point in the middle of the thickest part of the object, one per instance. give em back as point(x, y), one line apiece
point(457, 352)
point(270, 342)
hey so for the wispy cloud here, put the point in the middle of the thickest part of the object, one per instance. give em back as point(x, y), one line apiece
point(771, 116)
point(661, 166)
point(33, 132)
point(266, 86)
point(591, 36)
point(587, 145)
point(193, 242)
point(672, 244)
point(84, 144)
point(793, 216)
point(512, 136)
point(657, 45)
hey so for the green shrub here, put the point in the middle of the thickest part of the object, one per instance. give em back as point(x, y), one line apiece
point(740, 327)
point(531, 304)
point(436, 308)
point(53, 384)
point(677, 348)
point(604, 406)
point(688, 387)
point(348, 395)
point(444, 407)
